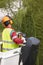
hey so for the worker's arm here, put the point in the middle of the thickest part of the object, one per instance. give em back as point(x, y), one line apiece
point(15, 38)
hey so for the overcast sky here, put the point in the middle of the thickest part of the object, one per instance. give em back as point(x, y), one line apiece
point(2, 14)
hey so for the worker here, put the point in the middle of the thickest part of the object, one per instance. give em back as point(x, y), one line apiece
point(9, 36)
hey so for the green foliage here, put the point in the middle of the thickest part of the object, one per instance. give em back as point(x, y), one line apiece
point(28, 25)
point(4, 3)
point(18, 19)
point(32, 23)
point(1, 28)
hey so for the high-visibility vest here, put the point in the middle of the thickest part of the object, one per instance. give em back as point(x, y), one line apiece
point(8, 44)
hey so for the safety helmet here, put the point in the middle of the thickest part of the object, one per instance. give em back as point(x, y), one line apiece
point(7, 20)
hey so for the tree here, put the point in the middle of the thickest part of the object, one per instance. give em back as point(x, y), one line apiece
point(18, 19)
point(9, 5)
point(32, 23)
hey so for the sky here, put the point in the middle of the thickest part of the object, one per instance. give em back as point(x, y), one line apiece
point(2, 14)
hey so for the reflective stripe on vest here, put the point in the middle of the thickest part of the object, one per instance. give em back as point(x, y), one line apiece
point(7, 42)
point(7, 49)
